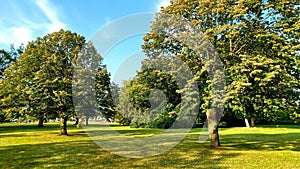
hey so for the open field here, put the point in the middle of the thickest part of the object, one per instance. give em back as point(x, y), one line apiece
point(26, 146)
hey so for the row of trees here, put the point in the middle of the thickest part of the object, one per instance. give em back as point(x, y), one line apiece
point(39, 82)
point(256, 41)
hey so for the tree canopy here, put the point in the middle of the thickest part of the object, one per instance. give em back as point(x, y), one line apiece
point(39, 83)
point(258, 43)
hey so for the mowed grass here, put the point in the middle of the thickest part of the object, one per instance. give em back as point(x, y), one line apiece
point(27, 146)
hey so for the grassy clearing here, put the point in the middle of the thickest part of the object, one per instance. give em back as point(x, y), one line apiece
point(26, 146)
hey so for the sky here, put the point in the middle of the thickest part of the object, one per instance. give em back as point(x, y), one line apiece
point(24, 20)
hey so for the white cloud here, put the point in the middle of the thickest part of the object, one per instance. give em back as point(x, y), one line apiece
point(54, 27)
point(16, 35)
point(162, 3)
point(22, 34)
point(25, 26)
point(52, 15)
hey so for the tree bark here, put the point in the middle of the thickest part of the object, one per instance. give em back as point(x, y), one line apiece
point(77, 121)
point(63, 124)
point(249, 109)
point(252, 122)
point(41, 119)
point(213, 120)
point(87, 121)
point(215, 140)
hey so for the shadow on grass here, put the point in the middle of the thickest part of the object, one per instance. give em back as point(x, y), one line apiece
point(287, 141)
point(297, 127)
point(78, 151)
point(53, 155)
point(85, 154)
point(27, 127)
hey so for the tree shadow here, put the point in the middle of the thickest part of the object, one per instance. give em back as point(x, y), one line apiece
point(27, 128)
point(287, 141)
point(78, 153)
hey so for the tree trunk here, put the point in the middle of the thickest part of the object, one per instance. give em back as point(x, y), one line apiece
point(41, 119)
point(87, 121)
point(247, 123)
point(250, 111)
point(77, 121)
point(63, 124)
point(215, 140)
point(213, 120)
point(252, 122)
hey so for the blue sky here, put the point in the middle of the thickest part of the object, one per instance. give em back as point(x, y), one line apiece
point(24, 20)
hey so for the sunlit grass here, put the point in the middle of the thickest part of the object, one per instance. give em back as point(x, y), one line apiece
point(27, 146)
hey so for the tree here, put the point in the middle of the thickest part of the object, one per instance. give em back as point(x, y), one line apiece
point(125, 110)
point(258, 44)
point(160, 96)
point(13, 98)
point(149, 93)
point(3, 115)
point(91, 85)
point(115, 92)
point(7, 58)
point(43, 74)
point(104, 95)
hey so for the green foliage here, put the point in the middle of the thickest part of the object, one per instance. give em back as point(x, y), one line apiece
point(124, 107)
point(258, 43)
point(91, 85)
point(40, 81)
point(6, 57)
point(149, 100)
point(104, 94)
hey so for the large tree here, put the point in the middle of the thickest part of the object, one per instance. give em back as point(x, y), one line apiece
point(258, 42)
point(41, 78)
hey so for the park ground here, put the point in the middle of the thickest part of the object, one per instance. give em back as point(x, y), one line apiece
point(27, 146)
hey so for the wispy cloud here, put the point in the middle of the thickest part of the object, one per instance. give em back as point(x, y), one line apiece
point(162, 3)
point(20, 26)
point(52, 14)
point(13, 30)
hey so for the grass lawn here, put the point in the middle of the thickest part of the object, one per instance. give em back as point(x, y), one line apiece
point(26, 146)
